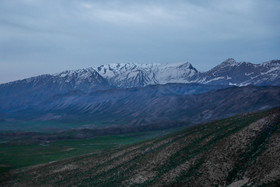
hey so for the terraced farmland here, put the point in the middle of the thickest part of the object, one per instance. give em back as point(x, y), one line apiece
point(242, 150)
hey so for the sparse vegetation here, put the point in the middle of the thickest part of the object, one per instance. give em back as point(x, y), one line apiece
point(241, 150)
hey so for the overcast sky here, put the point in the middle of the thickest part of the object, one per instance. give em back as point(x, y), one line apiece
point(49, 36)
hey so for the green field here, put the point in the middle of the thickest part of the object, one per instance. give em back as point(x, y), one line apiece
point(46, 126)
point(16, 156)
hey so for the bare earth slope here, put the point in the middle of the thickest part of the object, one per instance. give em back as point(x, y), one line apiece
point(242, 150)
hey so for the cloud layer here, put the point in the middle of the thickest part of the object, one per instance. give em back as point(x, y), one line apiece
point(42, 36)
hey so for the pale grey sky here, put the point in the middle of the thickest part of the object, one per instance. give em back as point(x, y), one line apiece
point(49, 36)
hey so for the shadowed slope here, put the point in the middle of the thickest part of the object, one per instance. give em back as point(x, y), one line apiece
point(153, 104)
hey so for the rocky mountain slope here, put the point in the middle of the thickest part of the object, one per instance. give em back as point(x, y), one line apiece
point(242, 150)
point(139, 106)
point(36, 89)
point(40, 99)
point(152, 106)
point(231, 72)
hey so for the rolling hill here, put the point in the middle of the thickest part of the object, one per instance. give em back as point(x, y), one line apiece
point(241, 150)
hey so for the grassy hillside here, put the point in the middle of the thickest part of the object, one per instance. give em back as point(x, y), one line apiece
point(21, 153)
point(242, 150)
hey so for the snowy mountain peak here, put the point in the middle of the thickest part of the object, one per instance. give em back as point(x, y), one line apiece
point(132, 74)
point(229, 62)
point(231, 72)
point(78, 74)
point(84, 79)
point(184, 65)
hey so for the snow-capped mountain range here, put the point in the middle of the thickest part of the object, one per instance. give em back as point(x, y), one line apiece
point(127, 75)
point(139, 75)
